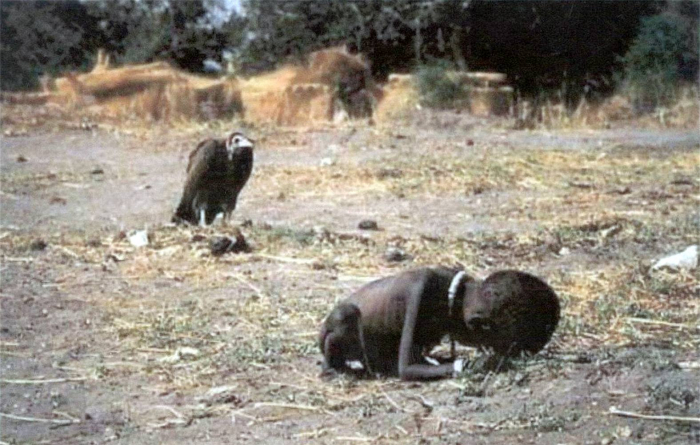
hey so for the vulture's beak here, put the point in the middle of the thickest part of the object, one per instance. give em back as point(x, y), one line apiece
point(247, 143)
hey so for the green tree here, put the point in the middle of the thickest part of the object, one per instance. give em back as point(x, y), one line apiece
point(42, 37)
point(180, 31)
point(652, 63)
point(393, 34)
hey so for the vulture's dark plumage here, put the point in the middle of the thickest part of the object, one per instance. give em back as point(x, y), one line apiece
point(217, 171)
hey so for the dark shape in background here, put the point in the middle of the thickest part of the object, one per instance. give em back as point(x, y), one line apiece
point(570, 47)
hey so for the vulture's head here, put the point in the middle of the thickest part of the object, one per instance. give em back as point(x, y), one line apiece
point(236, 141)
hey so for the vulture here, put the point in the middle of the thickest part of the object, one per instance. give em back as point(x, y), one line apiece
point(217, 171)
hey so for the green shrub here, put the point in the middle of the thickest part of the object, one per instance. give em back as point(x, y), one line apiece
point(437, 89)
point(651, 65)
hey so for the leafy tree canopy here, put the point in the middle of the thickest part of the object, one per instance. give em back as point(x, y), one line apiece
point(540, 44)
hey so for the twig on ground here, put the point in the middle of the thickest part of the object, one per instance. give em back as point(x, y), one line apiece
point(156, 350)
point(18, 260)
point(125, 364)
point(659, 322)
point(355, 439)
point(67, 416)
point(13, 354)
point(438, 426)
point(315, 433)
point(242, 280)
point(68, 252)
point(394, 404)
point(286, 405)
point(349, 400)
point(41, 382)
point(689, 365)
point(242, 414)
point(286, 259)
point(167, 423)
point(289, 385)
point(425, 403)
point(179, 419)
point(401, 429)
point(168, 408)
point(35, 419)
point(616, 412)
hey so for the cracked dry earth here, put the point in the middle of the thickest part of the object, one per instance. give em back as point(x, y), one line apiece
point(102, 342)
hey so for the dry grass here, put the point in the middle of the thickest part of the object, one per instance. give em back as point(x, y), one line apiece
point(292, 95)
point(552, 114)
point(310, 95)
point(150, 92)
point(399, 101)
point(685, 113)
point(600, 303)
point(587, 179)
point(615, 303)
point(185, 321)
point(300, 104)
point(305, 95)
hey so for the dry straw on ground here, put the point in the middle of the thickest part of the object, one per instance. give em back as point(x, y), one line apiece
point(617, 109)
point(153, 91)
point(311, 93)
point(331, 86)
point(171, 322)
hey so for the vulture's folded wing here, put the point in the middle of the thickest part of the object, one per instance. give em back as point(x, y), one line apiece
point(200, 161)
point(197, 152)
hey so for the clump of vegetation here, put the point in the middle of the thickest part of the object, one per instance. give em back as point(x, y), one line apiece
point(437, 89)
point(652, 65)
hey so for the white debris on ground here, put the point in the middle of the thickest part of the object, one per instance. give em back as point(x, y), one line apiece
point(688, 259)
point(355, 365)
point(138, 238)
point(184, 353)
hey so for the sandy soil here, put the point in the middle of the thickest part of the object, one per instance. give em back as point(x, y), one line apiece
point(93, 330)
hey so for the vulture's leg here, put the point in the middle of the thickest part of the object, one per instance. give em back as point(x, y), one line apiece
point(202, 218)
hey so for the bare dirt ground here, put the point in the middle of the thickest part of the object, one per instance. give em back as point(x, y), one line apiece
point(104, 342)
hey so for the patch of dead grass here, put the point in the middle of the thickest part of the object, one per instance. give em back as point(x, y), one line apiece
point(253, 318)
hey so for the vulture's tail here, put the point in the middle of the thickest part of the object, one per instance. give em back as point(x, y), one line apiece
point(184, 214)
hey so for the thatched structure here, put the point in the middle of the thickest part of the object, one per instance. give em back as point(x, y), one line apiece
point(488, 94)
point(332, 84)
point(400, 97)
point(154, 91)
